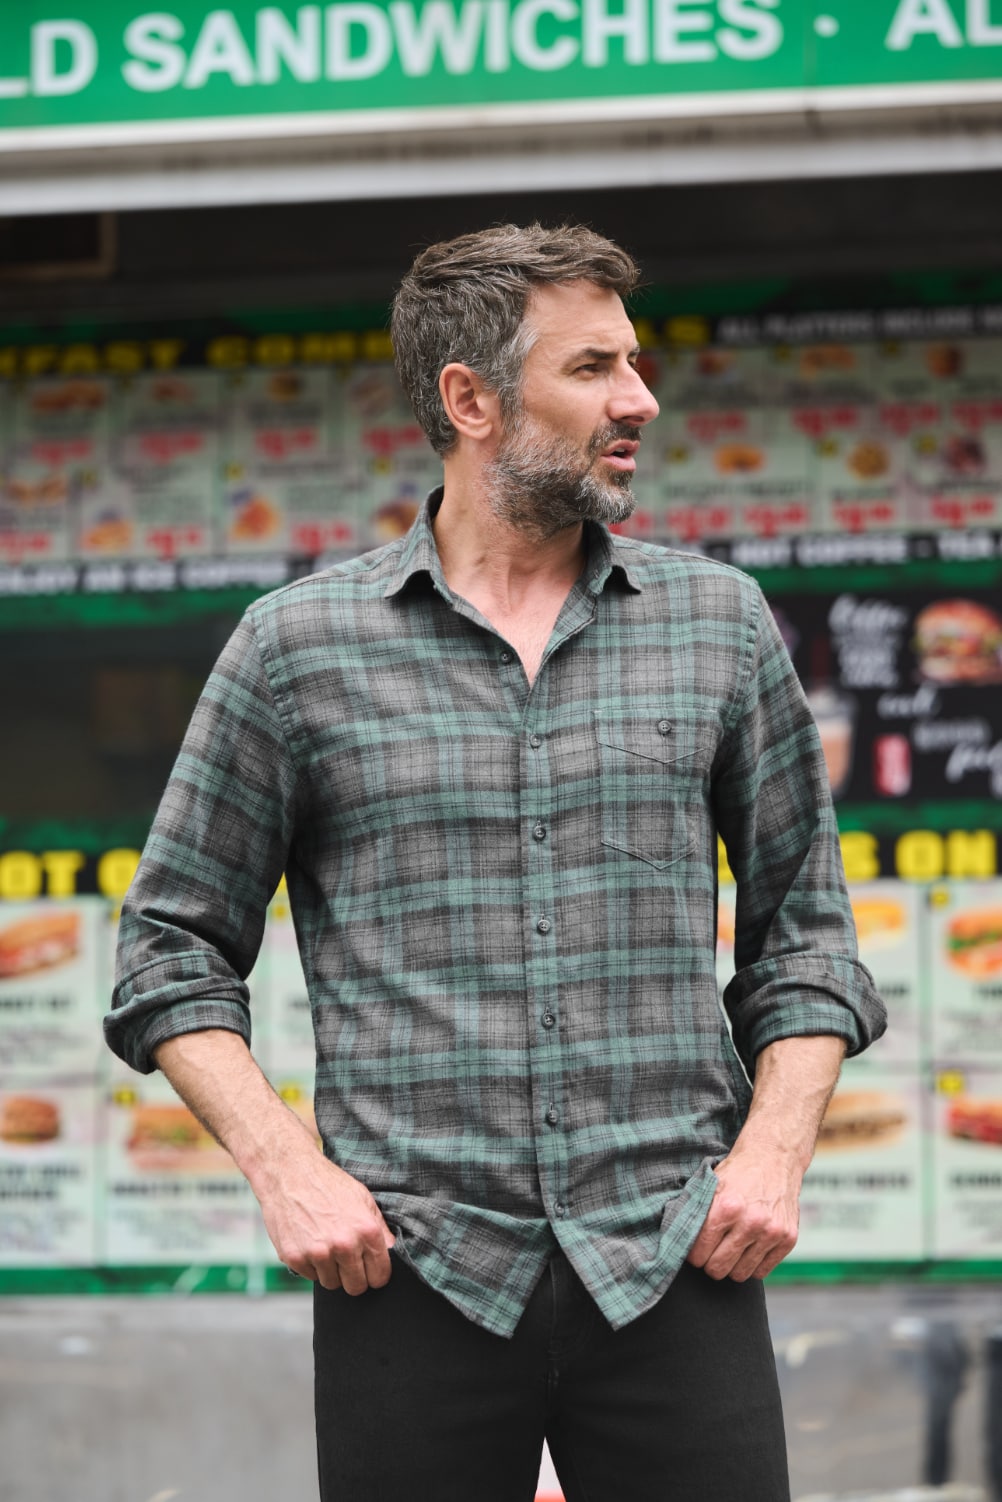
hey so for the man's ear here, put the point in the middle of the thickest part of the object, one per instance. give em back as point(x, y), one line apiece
point(472, 408)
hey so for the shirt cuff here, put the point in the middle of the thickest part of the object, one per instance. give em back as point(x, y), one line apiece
point(803, 996)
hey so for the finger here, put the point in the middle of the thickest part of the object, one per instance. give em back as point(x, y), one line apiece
point(327, 1275)
point(377, 1267)
point(351, 1270)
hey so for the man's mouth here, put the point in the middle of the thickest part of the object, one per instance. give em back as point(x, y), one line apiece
point(622, 454)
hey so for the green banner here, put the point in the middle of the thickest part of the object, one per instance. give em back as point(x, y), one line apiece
point(106, 62)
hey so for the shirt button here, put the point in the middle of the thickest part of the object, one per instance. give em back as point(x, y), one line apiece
point(560, 1208)
point(664, 726)
point(539, 831)
point(548, 1019)
point(553, 1115)
point(535, 741)
point(506, 657)
point(543, 926)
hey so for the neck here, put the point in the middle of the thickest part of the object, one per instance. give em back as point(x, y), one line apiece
point(484, 557)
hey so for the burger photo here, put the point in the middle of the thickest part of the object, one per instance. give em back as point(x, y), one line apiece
point(959, 641)
point(28, 1119)
point(862, 1119)
point(974, 942)
point(39, 942)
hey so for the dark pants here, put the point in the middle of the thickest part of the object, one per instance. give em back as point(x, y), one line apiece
point(415, 1403)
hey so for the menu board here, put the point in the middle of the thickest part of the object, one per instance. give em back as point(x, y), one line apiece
point(170, 1193)
point(967, 1164)
point(863, 1196)
point(904, 687)
point(890, 923)
point(309, 459)
point(49, 1153)
point(49, 979)
point(965, 931)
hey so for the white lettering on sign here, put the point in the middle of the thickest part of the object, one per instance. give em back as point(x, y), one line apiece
point(351, 40)
point(156, 62)
point(437, 30)
point(914, 18)
point(766, 31)
point(63, 57)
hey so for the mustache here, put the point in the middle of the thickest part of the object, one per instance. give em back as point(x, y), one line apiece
point(613, 432)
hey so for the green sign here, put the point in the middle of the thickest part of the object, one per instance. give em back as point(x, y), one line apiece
point(107, 62)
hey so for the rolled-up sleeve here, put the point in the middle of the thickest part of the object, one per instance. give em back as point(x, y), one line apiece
point(797, 968)
point(193, 919)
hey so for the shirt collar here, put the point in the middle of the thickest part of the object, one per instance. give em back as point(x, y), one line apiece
point(420, 556)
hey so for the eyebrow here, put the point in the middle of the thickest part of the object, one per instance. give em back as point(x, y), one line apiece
point(591, 353)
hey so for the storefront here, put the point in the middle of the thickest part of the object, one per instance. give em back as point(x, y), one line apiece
point(206, 215)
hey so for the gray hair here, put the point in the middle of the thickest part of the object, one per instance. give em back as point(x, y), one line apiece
point(465, 300)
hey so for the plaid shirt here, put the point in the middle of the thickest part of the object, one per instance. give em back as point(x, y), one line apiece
point(505, 900)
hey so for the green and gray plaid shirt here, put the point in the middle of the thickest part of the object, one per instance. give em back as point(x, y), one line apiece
point(505, 900)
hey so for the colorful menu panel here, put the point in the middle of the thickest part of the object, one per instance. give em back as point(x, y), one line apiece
point(965, 972)
point(48, 1173)
point(967, 1164)
point(863, 1195)
point(51, 974)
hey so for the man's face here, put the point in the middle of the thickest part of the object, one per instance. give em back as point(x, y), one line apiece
point(569, 454)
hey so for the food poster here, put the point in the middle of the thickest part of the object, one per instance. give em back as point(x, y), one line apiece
point(58, 440)
point(824, 375)
point(282, 474)
point(290, 1042)
point(726, 912)
point(967, 1163)
point(734, 471)
point(710, 377)
point(157, 498)
point(965, 971)
point(48, 1154)
point(52, 987)
point(890, 927)
point(904, 687)
point(170, 1193)
point(868, 474)
point(961, 477)
point(938, 370)
point(399, 465)
point(862, 1199)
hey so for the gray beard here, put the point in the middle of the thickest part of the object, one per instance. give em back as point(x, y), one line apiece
point(540, 487)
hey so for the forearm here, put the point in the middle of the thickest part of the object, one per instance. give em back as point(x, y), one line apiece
point(794, 1081)
point(323, 1223)
point(216, 1076)
point(752, 1222)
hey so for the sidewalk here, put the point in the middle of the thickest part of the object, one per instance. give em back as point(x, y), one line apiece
point(209, 1398)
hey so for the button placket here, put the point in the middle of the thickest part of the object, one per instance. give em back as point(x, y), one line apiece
point(541, 950)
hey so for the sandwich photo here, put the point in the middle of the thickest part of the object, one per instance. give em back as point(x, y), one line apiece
point(862, 1118)
point(975, 1120)
point(169, 1139)
point(39, 942)
point(974, 942)
point(959, 641)
point(880, 921)
point(28, 1119)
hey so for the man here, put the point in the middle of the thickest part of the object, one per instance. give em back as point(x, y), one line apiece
point(493, 760)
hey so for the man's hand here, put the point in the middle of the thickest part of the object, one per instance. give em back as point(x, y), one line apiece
point(325, 1225)
point(752, 1223)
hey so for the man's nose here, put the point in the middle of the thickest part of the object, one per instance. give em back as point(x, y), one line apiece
point(633, 400)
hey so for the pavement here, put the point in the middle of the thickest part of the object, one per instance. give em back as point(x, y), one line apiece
point(208, 1398)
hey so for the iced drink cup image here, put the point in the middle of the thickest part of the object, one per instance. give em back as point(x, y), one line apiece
point(835, 716)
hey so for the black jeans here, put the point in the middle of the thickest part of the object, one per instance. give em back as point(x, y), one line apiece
point(415, 1403)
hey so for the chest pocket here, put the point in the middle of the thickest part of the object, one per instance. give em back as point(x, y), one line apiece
point(653, 786)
